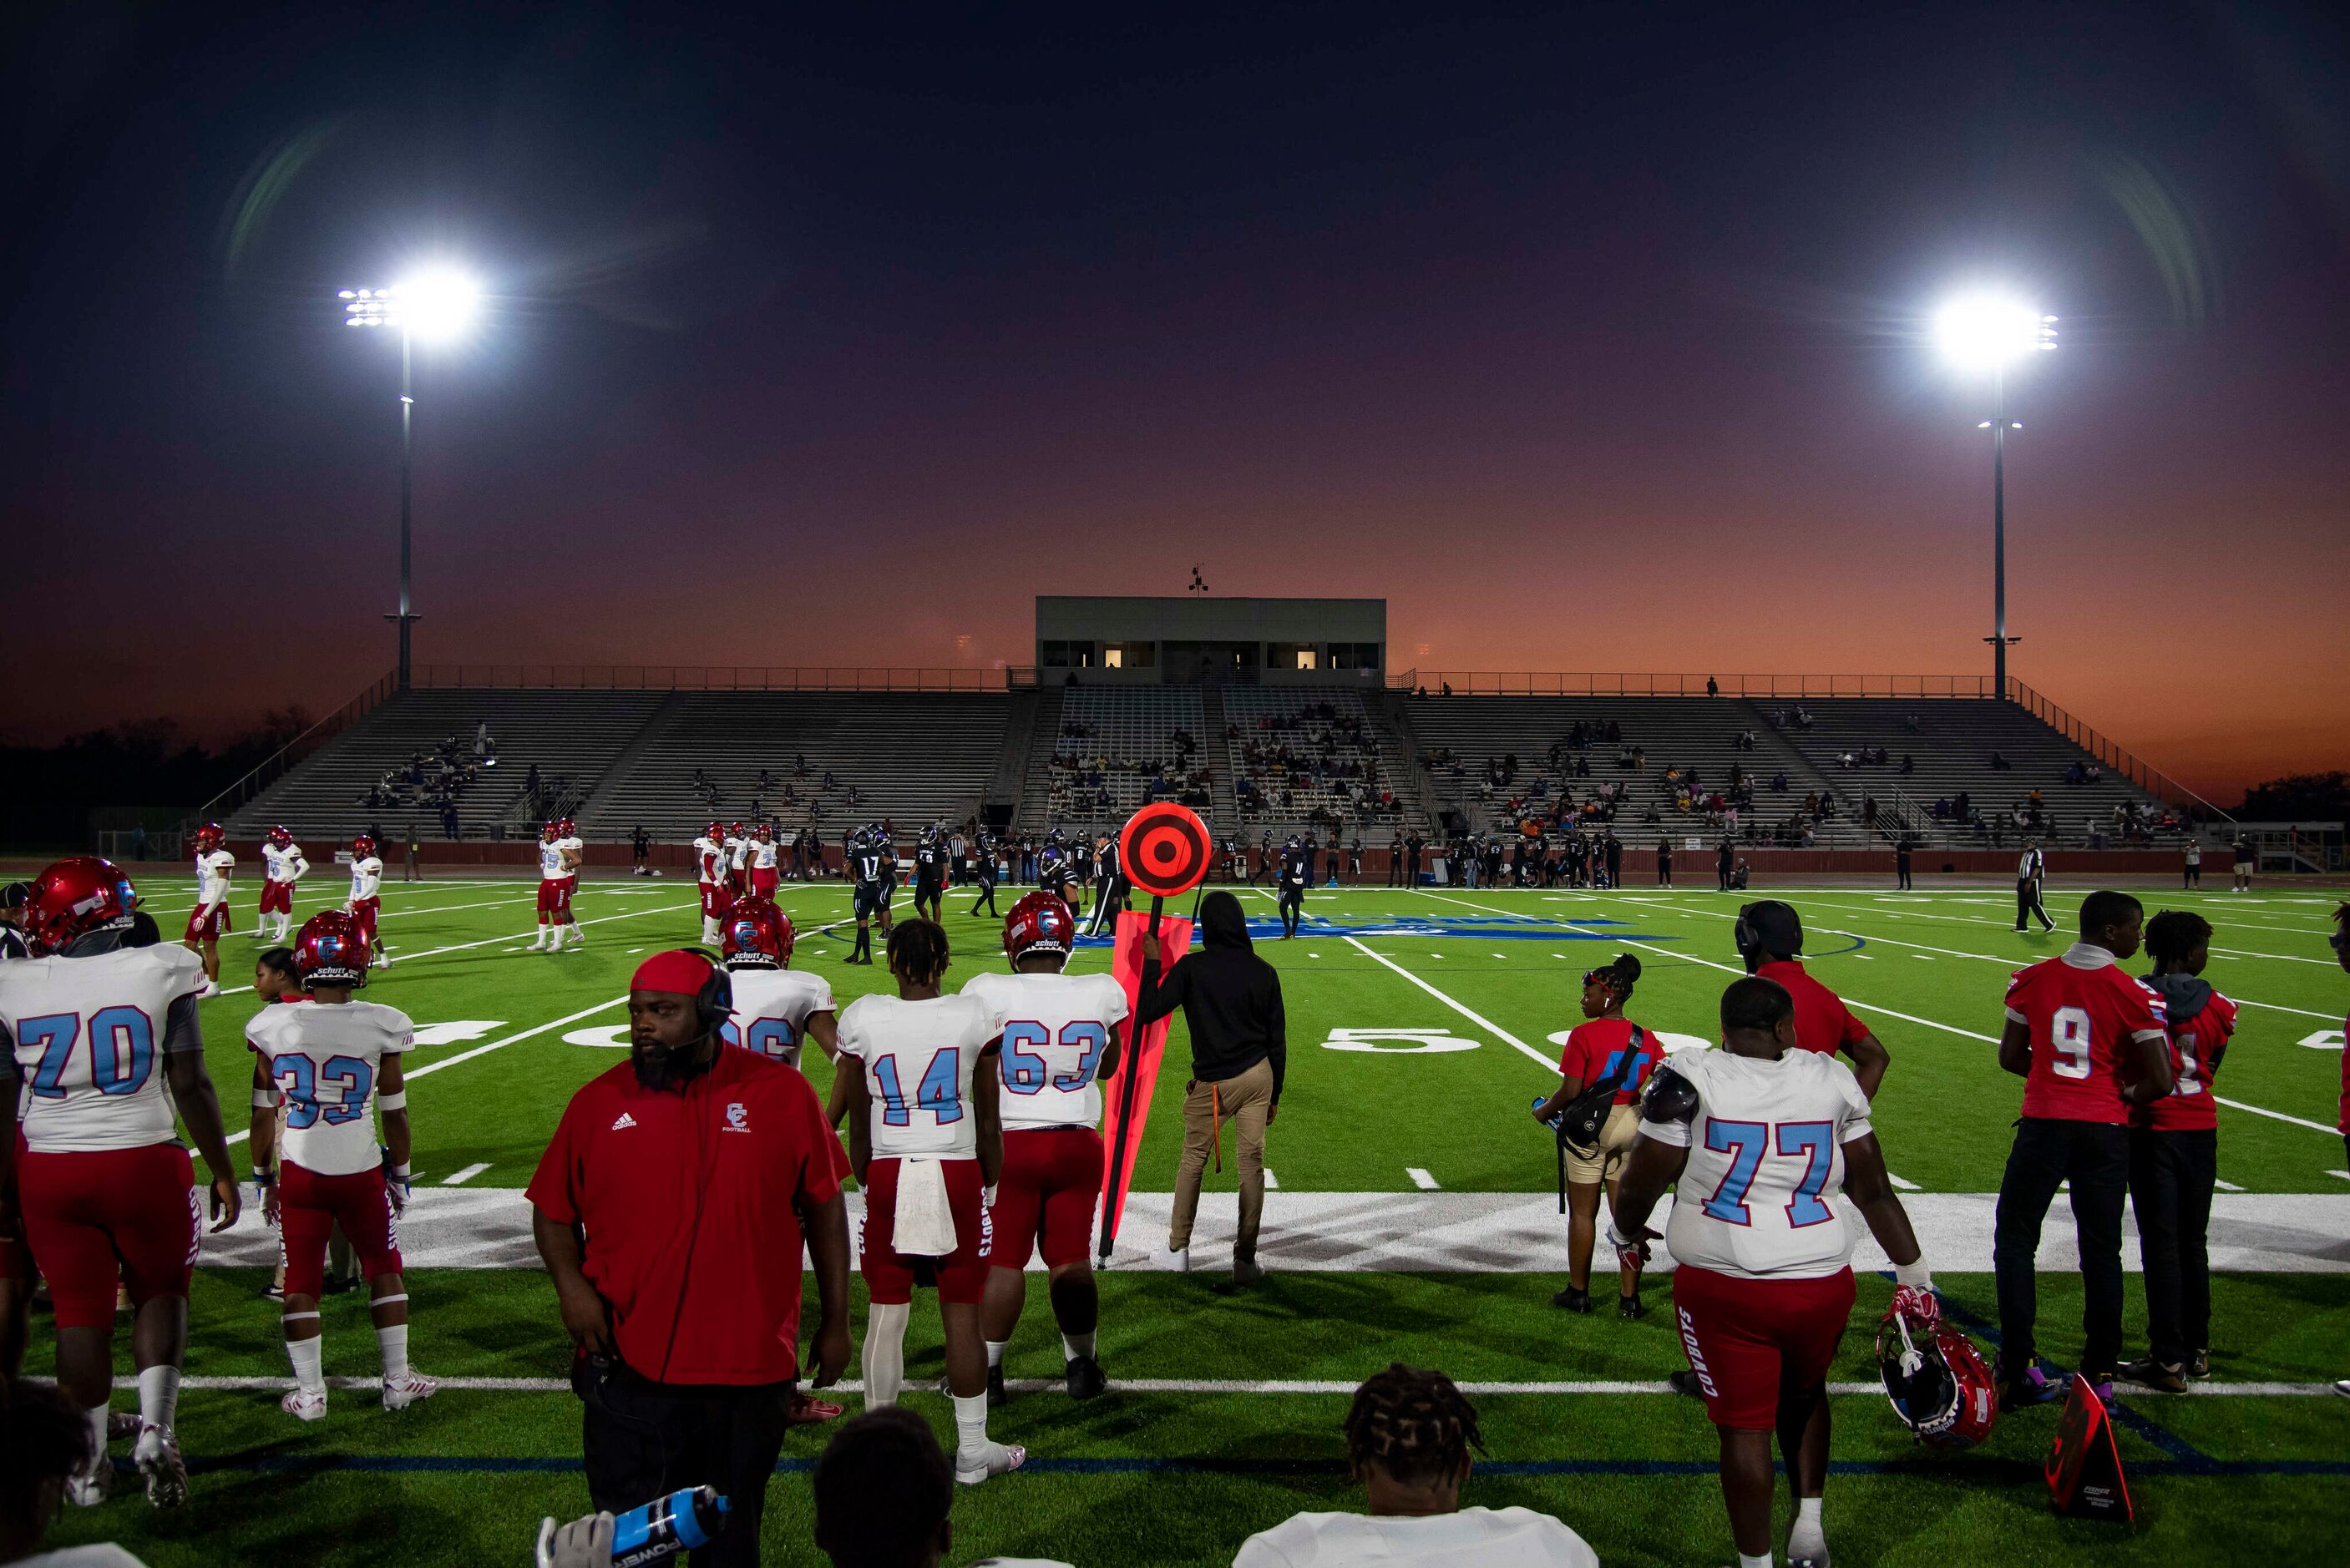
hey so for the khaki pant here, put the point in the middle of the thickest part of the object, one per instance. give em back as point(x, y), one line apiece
point(1245, 1100)
point(1616, 1136)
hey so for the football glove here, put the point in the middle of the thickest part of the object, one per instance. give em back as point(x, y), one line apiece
point(1917, 1303)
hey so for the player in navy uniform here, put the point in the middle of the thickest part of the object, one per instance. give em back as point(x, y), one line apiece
point(867, 871)
point(1081, 872)
point(1296, 870)
point(930, 874)
point(984, 870)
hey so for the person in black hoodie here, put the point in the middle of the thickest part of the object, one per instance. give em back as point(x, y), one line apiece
point(1232, 1004)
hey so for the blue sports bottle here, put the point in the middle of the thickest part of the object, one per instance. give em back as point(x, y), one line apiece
point(689, 1517)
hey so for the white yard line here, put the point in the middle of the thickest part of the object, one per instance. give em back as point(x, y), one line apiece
point(415, 1073)
point(1420, 1178)
point(492, 941)
point(1475, 1018)
point(457, 1177)
point(2274, 1116)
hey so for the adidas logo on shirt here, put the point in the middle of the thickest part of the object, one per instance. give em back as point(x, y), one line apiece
point(625, 1120)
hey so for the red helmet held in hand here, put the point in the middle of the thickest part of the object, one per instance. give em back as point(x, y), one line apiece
point(74, 898)
point(1039, 923)
point(329, 952)
point(1937, 1380)
point(757, 935)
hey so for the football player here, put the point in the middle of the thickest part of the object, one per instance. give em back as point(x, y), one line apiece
point(710, 870)
point(764, 873)
point(926, 1142)
point(333, 1063)
point(1112, 887)
point(558, 874)
point(983, 870)
point(2174, 1157)
point(208, 921)
point(282, 867)
point(1757, 1139)
point(1081, 872)
point(930, 874)
point(1770, 938)
point(365, 906)
point(94, 1030)
point(869, 874)
point(2089, 1042)
point(738, 856)
point(1060, 1039)
point(1296, 870)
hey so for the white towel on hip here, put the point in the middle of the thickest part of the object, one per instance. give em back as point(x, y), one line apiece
point(923, 1225)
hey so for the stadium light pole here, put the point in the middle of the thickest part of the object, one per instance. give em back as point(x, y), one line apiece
point(437, 306)
point(1978, 333)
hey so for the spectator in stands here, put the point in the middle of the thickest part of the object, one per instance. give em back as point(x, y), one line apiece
point(1713, 689)
point(1410, 1436)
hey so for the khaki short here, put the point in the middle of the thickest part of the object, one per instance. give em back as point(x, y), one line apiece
point(1614, 1142)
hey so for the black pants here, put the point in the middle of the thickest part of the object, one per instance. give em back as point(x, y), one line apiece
point(2194, 877)
point(1901, 873)
point(644, 1440)
point(2170, 1179)
point(986, 894)
point(2027, 904)
point(1722, 876)
point(2095, 1157)
point(1292, 906)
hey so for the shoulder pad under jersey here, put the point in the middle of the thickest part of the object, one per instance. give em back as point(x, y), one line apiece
point(1671, 1098)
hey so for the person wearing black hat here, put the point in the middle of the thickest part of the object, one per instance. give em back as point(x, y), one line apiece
point(1769, 937)
point(13, 898)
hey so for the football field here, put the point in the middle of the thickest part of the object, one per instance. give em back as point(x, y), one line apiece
point(1415, 1219)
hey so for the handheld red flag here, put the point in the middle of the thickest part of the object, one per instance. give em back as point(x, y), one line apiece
point(1138, 1064)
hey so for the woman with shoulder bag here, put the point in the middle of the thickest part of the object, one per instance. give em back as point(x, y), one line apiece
point(1605, 1066)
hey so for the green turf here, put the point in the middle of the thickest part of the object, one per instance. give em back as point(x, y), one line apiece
point(1351, 1121)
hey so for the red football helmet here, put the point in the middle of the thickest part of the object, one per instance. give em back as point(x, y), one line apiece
point(734, 830)
point(767, 832)
point(715, 833)
point(74, 898)
point(329, 952)
point(1039, 923)
point(757, 935)
point(280, 836)
point(563, 827)
point(362, 847)
point(1937, 1381)
point(210, 836)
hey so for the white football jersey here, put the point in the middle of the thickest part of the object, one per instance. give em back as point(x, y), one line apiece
point(739, 849)
point(709, 859)
point(550, 861)
point(1054, 1030)
point(324, 1059)
point(771, 1011)
point(1765, 1156)
point(285, 865)
point(918, 1058)
point(762, 854)
point(88, 1036)
point(1471, 1538)
point(576, 845)
point(212, 876)
point(367, 879)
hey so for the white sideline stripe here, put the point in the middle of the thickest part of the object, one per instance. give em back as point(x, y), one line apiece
point(2011, 964)
point(2225, 1186)
point(1272, 1183)
point(1872, 1007)
point(1212, 1385)
point(1420, 1178)
point(1457, 1007)
point(1902, 1186)
point(455, 1177)
point(1954, 919)
point(2278, 957)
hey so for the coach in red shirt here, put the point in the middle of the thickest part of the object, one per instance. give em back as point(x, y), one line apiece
point(671, 1209)
point(1769, 937)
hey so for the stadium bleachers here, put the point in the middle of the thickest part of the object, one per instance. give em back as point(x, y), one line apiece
point(1092, 766)
point(1670, 733)
point(1953, 743)
point(906, 757)
point(1339, 764)
point(569, 735)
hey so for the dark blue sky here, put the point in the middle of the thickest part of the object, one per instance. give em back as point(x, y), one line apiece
point(1591, 339)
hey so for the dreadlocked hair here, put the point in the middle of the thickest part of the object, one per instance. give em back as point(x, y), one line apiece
point(1413, 1423)
point(918, 952)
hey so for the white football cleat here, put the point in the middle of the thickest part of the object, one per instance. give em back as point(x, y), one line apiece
point(157, 1454)
point(88, 1490)
point(996, 1460)
point(1179, 1260)
point(401, 1392)
point(384, 958)
point(212, 988)
point(309, 1403)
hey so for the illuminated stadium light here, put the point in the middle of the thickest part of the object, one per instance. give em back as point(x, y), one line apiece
point(1985, 332)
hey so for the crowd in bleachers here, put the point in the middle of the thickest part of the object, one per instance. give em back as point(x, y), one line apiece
point(435, 783)
point(1085, 783)
point(1318, 762)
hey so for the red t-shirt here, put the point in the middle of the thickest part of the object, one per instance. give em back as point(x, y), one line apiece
point(2188, 1107)
point(710, 1300)
point(1596, 1049)
point(1822, 1023)
point(2081, 1010)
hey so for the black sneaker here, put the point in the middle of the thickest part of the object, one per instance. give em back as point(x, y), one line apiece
point(1685, 1382)
point(2160, 1375)
point(2199, 1365)
point(1629, 1307)
point(1573, 1300)
point(1086, 1379)
point(996, 1393)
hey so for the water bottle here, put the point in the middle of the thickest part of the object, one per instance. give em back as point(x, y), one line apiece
point(1552, 1121)
point(687, 1518)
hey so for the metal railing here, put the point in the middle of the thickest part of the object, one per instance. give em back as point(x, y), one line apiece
point(280, 763)
point(2148, 777)
point(714, 678)
point(1554, 683)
